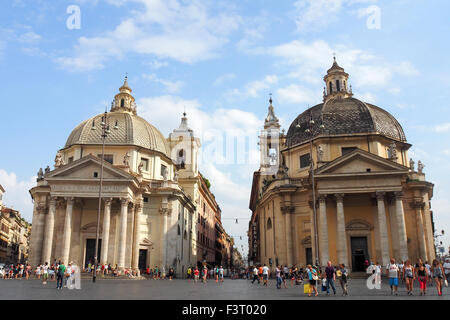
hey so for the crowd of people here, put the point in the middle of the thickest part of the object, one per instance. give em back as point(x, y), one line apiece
point(314, 279)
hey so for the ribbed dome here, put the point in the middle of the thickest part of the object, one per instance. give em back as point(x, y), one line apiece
point(131, 130)
point(345, 116)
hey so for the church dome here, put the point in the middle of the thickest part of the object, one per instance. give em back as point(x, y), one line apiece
point(342, 116)
point(125, 127)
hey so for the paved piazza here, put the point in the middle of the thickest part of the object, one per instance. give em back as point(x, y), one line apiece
point(184, 290)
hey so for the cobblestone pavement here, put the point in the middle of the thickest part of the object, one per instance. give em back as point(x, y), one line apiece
point(185, 290)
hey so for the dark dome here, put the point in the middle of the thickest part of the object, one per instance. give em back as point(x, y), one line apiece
point(345, 116)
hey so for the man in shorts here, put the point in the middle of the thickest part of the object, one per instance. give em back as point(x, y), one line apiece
point(392, 271)
point(265, 270)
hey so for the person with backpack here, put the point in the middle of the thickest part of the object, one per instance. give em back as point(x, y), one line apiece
point(61, 270)
point(392, 271)
point(342, 274)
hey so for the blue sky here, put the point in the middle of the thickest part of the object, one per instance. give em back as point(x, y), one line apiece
point(219, 60)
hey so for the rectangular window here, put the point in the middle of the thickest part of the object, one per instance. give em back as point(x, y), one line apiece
point(163, 169)
point(346, 150)
point(145, 199)
point(108, 157)
point(70, 159)
point(304, 161)
point(145, 162)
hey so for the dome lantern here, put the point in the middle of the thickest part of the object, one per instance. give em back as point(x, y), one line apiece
point(336, 81)
point(124, 101)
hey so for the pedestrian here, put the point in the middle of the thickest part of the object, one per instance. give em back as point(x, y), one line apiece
point(342, 273)
point(401, 266)
point(446, 267)
point(366, 264)
point(330, 274)
point(255, 275)
point(60, 275)
point(260, 272)
point(68, 273)
point(38, 272)
point(266, 273)
point(196, 274)
point(313, 277)
point(156, 274)
point(392, 271)
point(421, 273)
point(278, 276)
point(438, 275)
point(408, 275)
point(163, 272)
point(171, 272)
point(205, 273)
point(45, 273)
point(221, 274)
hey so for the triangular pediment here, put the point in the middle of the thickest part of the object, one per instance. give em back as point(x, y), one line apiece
point(85, 168)
point(360, 161)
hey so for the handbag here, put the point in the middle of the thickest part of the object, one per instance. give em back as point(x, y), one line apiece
point(306, 288)
point(446, 282)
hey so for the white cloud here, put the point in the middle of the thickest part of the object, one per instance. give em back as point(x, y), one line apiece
point(185, 32)
point(170, 86)
point(443, 127)
point(224, 78)
point(255, 88)
point(16, 193)
point(312, 15)
point(296, 94)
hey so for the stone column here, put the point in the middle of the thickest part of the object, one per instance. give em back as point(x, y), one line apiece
point(384, 240)
point(123, 232)
point(287, 221)
point(136, 236)
point(105, 232)
point(418, 206)
point(428, 228)
point(400, 215)
point(49, 229)
point(341, 236)
point(67, 230)
point(36, 240)
point(323, 231)
point(164, 211)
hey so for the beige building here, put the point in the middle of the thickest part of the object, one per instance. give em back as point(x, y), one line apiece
point(14, 235)
point(149, 195)
point(372, 203)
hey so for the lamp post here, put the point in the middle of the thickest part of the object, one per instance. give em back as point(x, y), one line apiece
point(105, 131)
point(311, 133)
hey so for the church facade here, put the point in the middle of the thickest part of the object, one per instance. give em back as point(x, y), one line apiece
point(371, 202)
point(150, 194)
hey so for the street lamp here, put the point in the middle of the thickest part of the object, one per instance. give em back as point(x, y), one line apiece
point(105, 131)
point(311, 131)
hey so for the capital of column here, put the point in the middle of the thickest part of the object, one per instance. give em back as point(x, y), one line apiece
point(339, 197)
point(398, 195)
point(108, 201)
point(322, 197)
point(70, 200)
point(124, 201)
point(380, 195)
point(52, 201)
point(41, 207)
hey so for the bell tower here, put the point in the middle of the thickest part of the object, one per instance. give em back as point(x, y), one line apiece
point(184, 148)
point(336, 83)
point(269, 143)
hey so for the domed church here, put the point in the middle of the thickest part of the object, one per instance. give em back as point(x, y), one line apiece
point(370, 200)
point(149, 191)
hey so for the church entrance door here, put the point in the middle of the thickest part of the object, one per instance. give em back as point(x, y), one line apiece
point(359, 253)
point(90, 251)
point(142, 259)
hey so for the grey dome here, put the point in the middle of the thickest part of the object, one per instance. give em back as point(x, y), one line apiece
point(131, 130)
point(345, 116)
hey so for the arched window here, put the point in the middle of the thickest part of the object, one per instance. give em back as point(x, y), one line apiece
point(269, 224)
point(122, 103)
point(181, 159)
point(185, 234)
point(331, 88)
point(338, 86)
point(179, 231)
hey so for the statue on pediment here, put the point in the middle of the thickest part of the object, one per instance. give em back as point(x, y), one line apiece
point(420, 166)
point(40, 175)
point(126, 160)
point(47, 169)
point(59, 160)
point(411, 164)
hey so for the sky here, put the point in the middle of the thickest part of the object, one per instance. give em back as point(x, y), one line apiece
point(62, 62)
